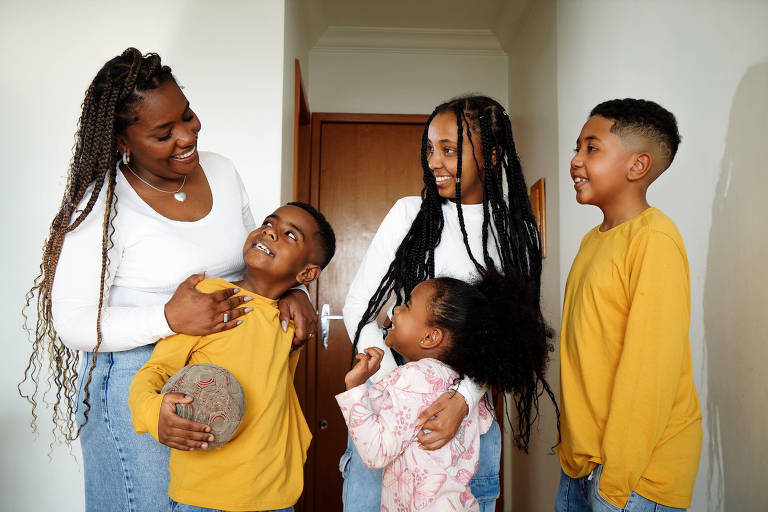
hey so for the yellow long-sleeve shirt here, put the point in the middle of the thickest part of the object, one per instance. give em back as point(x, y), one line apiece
point(628, 398)
point(261, 467)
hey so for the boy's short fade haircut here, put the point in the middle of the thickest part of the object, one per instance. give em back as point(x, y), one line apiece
point(325, 235)
point(644, 118)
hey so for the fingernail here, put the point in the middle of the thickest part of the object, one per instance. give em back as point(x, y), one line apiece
point(248, 310)
point(239, 322)
point(284, 323)
point(210, 438)
point(247, 298)
point(237, 290)
point(204, 446)
point(207, 429)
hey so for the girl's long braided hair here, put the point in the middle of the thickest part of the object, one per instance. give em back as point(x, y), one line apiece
point(508, 222)
point(107, 110)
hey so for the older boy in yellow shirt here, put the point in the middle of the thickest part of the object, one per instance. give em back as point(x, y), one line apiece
point(261, 467)
point(631, 423)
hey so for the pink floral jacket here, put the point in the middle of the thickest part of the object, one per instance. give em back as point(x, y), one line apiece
point(382, 423)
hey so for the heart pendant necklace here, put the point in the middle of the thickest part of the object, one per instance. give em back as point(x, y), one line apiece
point(177, 194)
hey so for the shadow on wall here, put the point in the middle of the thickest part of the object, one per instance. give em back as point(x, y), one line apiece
point(735, 299)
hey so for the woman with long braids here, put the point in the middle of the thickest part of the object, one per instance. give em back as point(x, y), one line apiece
point(142, 211)
point(473, 216)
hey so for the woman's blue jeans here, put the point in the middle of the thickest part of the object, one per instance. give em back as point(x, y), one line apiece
point(180, 507)
point(124, 471)
point(582, 495)
point(362, 486)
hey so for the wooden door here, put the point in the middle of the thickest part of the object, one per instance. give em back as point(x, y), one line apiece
point(360, 165)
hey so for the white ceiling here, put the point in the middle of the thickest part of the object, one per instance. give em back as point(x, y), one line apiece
point(429, 14)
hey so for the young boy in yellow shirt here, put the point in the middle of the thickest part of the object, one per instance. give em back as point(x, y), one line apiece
point(261, 467)
point(631, 423)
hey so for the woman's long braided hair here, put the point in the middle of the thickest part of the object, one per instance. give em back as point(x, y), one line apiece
point(107, 110)
point(507, 220)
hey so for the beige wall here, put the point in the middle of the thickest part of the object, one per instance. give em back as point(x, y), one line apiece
point(400, 82)
point(303, 25)
point(531, 480)
point(734, 297)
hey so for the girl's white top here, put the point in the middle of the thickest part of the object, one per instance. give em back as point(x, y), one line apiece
point(451, 260)
point(149, 256)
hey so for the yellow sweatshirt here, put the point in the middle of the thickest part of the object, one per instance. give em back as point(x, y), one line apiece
point(628, 399)
point(261, 468)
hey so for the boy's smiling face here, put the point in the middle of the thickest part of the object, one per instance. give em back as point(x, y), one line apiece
point(284, 247)
point(599, 167)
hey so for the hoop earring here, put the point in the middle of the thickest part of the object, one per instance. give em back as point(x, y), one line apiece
point(126, 157)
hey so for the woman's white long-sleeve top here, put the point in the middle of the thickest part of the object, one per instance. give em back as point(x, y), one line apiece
point(451, 260)
point(149, 256)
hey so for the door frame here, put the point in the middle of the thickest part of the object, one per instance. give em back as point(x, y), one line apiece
point(301, 137)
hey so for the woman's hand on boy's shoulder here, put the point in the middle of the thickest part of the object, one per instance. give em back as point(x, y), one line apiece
point(177, 432)
point(295, 305)
point(195, 313)
point(366, 364)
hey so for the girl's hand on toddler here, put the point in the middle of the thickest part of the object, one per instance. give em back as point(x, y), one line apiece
point(366, 364)
point(177, 432)
point(442, 420)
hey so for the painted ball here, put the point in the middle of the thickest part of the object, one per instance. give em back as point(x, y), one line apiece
point(218, 399)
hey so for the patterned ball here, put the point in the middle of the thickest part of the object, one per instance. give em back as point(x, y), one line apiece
point(218, 402)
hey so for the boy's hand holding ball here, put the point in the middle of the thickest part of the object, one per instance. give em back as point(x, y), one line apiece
point(177, 432)
point(366, 364)
point(203, 405)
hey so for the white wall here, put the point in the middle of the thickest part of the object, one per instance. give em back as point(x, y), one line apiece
point(400, 82)
point(229, 57)
point(303, 25)
point(529, 38)
point(706, 62)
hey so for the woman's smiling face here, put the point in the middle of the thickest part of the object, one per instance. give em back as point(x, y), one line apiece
point(163, 139)
point(442, 157)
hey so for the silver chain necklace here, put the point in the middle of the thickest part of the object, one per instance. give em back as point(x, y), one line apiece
point(177, 194)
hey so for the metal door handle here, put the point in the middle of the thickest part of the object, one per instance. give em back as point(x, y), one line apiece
point(325, 319)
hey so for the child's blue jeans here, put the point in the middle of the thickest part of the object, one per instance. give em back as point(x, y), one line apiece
point(362, 486)
point(180, 507)
point(582, 495)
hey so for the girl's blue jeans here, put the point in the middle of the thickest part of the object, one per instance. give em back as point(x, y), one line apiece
point(582, 495)
point(362, 486)
point(124, 471)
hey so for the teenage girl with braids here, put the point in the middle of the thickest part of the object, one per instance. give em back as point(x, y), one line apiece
point(141, 212)
point(473, 216)
point(446, 330)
